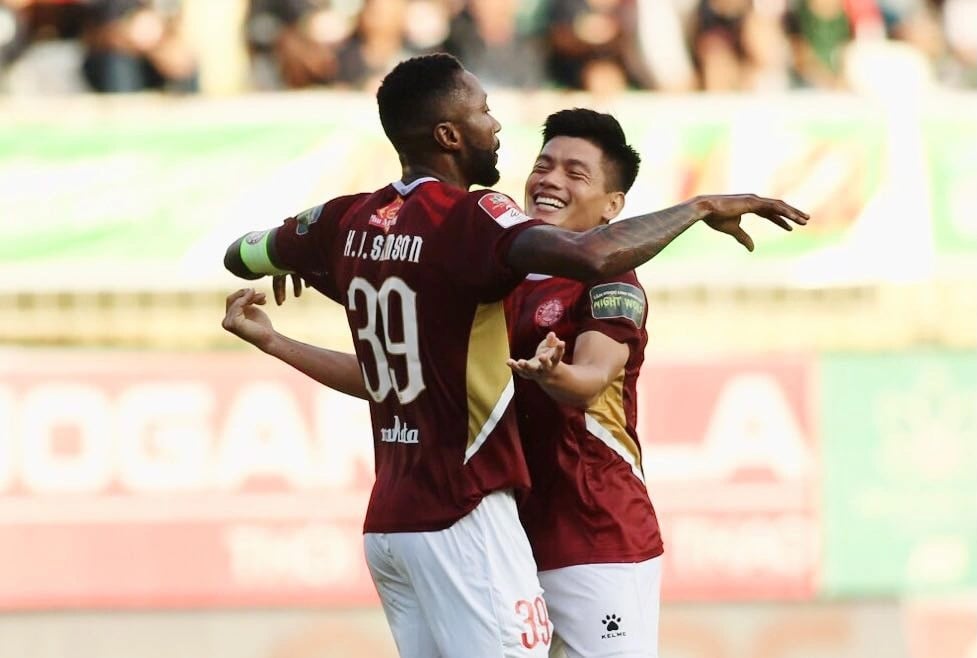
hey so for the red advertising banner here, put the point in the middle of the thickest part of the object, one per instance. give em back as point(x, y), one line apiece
point(732, 468)
point(143, 480)
point(148, 480)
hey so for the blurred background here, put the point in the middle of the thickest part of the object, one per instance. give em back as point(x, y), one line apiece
point(808, 411)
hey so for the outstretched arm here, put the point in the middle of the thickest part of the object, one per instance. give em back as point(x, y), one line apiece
point(597, 361)
point(612, 249)
point(252, 256)
point(337, 370)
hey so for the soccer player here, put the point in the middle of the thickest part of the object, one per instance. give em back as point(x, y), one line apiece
point(578, 348)
point(421, 267)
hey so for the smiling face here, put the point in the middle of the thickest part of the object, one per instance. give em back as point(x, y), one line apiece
point(568, 186)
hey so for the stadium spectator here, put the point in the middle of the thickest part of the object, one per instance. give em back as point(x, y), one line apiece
point(819, 32)
point(501, 42)
point(959, 25)
point(377, 43)
point(664, 46)
point(293, 43)
point(738, 46)
point(39, 49)
point(593, 45)
point(13, 29)
point(134, 45)
point(428, 25)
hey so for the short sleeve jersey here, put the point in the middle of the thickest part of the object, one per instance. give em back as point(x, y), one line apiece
point(589, 503)
point(420, 270)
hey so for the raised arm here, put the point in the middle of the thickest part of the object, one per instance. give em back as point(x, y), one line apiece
point(612, 249)
point(337, 370)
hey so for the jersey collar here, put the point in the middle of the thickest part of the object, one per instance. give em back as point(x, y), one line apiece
point(404, 190)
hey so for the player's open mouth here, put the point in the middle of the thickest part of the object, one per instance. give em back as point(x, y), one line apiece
point(544, 202)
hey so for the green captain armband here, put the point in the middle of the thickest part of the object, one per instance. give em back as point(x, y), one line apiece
point(254, 253)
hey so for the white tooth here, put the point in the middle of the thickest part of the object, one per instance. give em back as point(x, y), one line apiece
point(550, 201)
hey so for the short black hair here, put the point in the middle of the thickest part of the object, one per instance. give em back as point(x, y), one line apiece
point(605, 132)
point(410, 95)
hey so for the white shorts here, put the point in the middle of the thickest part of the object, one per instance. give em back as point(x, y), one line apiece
point(605, 609)
point(469, 591)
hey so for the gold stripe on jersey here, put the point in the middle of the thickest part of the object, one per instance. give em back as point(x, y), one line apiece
point(488, 378)
point(605, 419)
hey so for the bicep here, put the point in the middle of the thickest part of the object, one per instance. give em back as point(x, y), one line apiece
point(600, 352)
point(545, 249)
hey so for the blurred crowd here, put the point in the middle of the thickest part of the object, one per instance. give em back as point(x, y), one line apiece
point(601, 46)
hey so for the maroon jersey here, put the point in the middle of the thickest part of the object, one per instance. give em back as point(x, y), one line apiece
point(420, 271)
point(588, 503)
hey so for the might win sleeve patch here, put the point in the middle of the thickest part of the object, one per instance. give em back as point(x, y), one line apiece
point(617, 300)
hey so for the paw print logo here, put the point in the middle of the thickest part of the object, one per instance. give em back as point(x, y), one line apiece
point(611, 622)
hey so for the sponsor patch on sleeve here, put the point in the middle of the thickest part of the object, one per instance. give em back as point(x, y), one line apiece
point(502, 209)
point(307, 218)
point(617, 300)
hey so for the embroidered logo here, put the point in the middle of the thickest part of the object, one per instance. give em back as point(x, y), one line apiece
point(549, 312)
point(502, 209)
point(384, 218)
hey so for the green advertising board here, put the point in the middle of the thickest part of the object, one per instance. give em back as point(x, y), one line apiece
point(952, 153)
point(170, 185)
point(899, 436)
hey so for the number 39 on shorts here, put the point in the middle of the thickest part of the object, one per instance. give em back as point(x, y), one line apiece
point(536, 622)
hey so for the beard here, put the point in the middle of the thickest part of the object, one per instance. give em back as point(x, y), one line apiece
point(482, 168)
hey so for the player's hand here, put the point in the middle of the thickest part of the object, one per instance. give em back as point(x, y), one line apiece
point(244, 319)
point(279, 282)
point(726, 211)
point(549, 353)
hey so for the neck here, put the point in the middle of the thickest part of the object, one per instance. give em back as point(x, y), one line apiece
point(446, 171)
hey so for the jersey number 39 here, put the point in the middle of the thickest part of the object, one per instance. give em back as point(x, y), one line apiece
point(393, 300)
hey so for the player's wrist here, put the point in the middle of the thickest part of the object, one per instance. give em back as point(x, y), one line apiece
point(702, 207)
point(269, 342)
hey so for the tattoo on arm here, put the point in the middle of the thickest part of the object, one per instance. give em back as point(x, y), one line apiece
point(607, 250)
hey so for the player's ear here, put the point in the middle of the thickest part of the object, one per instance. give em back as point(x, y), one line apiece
point(447, 135)
point(613, 206)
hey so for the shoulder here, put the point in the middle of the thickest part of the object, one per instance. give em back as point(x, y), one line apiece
point(499, 207)
point(329, 210)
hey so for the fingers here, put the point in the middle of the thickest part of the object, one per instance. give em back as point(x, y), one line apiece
point(743, 238)
point(549, 358)
point(798, 216)
point(237, 300)
point(554, 343)
point(234, 296)
point(775, 217)
point(279, 282)
point(520, 367)
point(278, 288)
point(776, 210)
point(233, 309)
